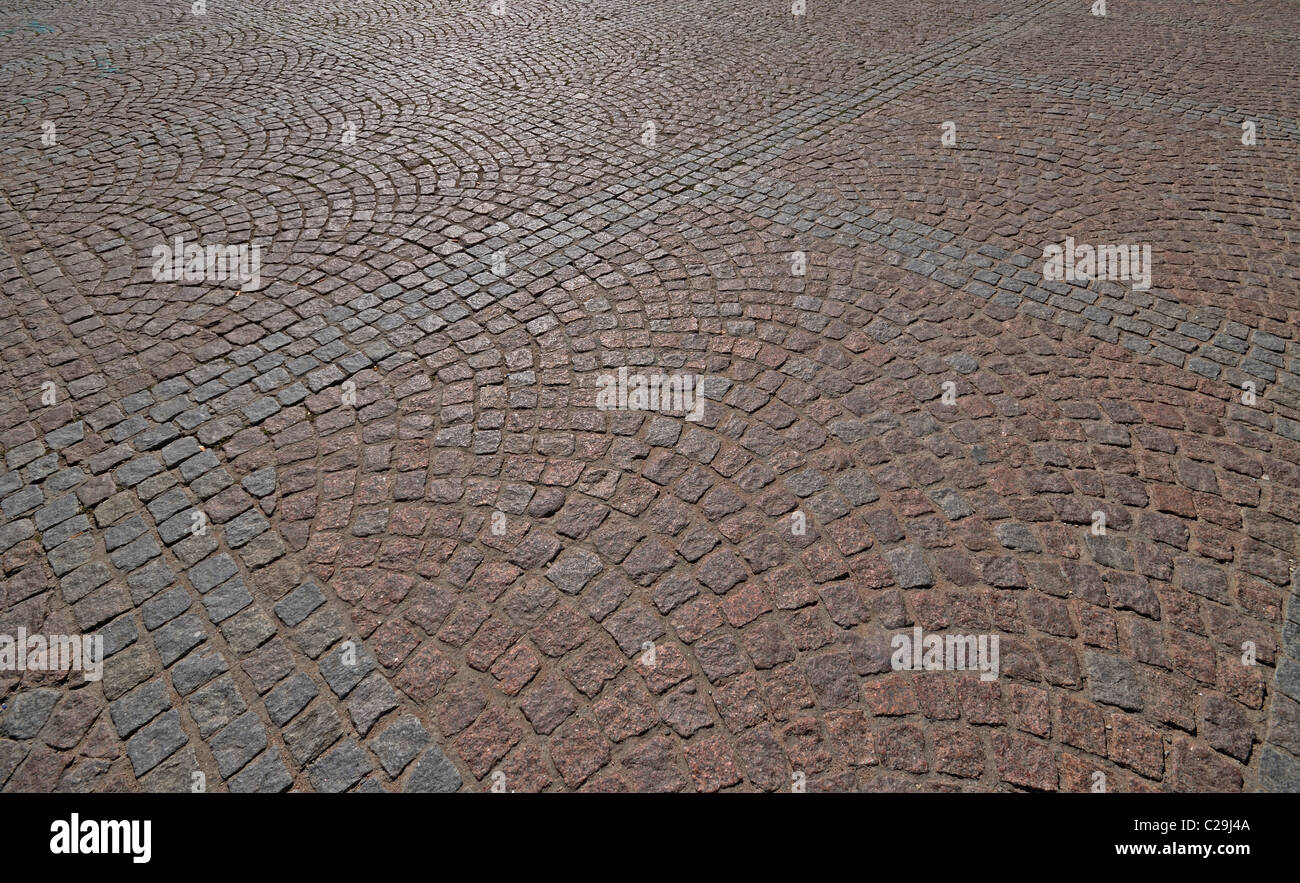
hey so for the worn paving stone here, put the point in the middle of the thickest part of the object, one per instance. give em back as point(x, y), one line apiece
point(175, 775)
point(265, 775)
point(340, 769)
point(312, 732)
point(216, 705)
point(372, 698)
point(196, 670)
point(344, 668)
point(290, 697)
point(299, 604)
point(399, 744)
point(140, 706)
point(433, 774)
point(176, 637)
point(155, 742)
point(237, 743)
point(27, 713)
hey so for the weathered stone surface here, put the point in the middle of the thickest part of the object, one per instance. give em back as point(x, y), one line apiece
point(432, 774)
point(367, 525)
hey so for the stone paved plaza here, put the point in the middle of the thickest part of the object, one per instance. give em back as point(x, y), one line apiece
point(365, 524)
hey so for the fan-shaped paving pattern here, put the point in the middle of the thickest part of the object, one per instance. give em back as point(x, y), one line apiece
point(433, 561)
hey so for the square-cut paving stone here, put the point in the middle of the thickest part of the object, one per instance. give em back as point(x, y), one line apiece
point(211, 572)
point(179, 450)
point(268, 665)
point(910, 568)
point(66, 435)
point(180, 526)
point(433, 774)
point(137, 470)
point(1113, 681)
point(261, 483)
point(175, 775)
point(155, 742)
point(290, 697)
point(174, 639)
point(124, 670)
point(119, 634)
point(265, 775)
point(312, 732)
point(84, 580)
point(52, 513)
point(319, 632)
point(227, 599)
point(149, 580)
point(340, 769)
point(141, 705)
point(136, 553)
point(399, 744)
point(243, 528)
point(27, 713)
point(165, 607)
point(344, 667)
point(65, 530)
point(22, 502)
point(198, 464)
point(15, 532)
point(239, 742)
point(100, 606)
point(247, 630)
point(197, 669)
point(168, 503)
point(215, 705)
point(371, 700)
point(299, 604)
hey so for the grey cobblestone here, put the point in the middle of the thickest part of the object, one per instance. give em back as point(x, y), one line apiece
point(155, 742)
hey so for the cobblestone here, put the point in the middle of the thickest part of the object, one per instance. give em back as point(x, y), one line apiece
point(427, 560)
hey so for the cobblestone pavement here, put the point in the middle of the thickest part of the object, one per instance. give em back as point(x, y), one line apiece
point(364, 527)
